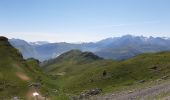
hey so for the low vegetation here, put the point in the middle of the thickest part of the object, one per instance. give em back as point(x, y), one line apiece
point(18, 76)
point(74, 72)
point(79, 73)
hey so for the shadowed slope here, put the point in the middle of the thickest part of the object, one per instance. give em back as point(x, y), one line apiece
point(16, 74)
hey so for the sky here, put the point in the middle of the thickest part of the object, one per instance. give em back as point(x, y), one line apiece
point(83, 20)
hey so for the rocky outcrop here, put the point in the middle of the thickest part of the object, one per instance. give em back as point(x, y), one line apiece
point(87, 94)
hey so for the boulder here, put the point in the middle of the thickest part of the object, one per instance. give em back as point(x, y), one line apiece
point(164, 77)
point(142, 81)
point(89, 93)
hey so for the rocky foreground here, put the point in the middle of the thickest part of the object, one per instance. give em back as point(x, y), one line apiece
point(142, 94)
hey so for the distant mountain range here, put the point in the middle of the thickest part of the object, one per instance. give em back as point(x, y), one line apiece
point(73, 72)
point(118, 48)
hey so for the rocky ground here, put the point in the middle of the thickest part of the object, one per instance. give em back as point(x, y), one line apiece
point(150, 93)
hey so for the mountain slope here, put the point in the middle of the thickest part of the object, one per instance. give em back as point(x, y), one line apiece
point(74, 72)
point(52, 50)
point(16, 74)
point(129, 46)
point(107, 74)
point(71, 58)
point(25, 48)
point(118, 48)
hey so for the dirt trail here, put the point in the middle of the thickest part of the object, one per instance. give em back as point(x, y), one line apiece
point(141, 94)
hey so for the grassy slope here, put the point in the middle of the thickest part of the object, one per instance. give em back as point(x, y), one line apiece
point(74, 76)
point(75, 71)
point(16, 74)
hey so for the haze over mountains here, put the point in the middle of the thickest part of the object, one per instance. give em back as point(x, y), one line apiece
point(118, 48)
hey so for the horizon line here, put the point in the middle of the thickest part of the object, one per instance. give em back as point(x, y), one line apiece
point(78, 42)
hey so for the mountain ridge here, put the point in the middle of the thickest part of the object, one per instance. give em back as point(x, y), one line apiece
point(118, 48)
point(75, 71)
point(73, 57)
point(76, 77)
point(16, 74)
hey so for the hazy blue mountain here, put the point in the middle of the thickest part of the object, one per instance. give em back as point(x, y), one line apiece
point(42, 50)
point(38, 43)
point(24, 47)
point(52, 50)
point(129, 46)
point(111, 48)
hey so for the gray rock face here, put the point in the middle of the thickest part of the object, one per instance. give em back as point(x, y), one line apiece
point(89, 93)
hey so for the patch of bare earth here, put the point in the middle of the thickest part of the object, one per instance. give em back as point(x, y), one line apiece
point(23, 76)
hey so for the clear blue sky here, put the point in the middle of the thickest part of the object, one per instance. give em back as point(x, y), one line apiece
point(83, 20)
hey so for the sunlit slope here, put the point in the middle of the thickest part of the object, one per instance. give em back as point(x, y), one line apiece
point(17, 74)
point(75, 72)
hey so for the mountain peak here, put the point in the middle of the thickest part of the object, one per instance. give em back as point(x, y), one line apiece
point(4, 41)
point(128, 35)
point(75, 51)
point(2, 38)
point(90, 55)
point(73, 56)
point(77, 54)
point(38, 43)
